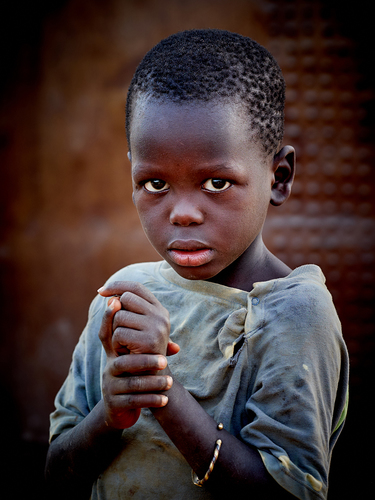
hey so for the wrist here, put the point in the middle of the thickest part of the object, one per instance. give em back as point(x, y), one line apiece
point(100, 419)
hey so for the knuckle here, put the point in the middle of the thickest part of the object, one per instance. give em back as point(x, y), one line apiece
point(121, 340)
point(115, 365)
point(165, 314)
point(119, 365)
point(136, 384)
point(153, 345)
point(132, 401)
point(116, 284)
point(136, 286)
point(164, 322)
point(119, 318)
point(130, 288)
point(119, 334)
point(127, 298)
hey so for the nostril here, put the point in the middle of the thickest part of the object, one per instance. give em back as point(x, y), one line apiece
point(186, 215)
point(185, 224)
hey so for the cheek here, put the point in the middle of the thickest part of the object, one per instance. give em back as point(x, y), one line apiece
point(148, 222)
point(245, 222)
point(260, 200)
point(151, 220)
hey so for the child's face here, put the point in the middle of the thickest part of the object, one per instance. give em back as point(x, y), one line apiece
point(201, 183)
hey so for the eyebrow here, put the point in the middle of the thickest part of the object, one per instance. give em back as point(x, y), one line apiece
point(143, 169)
point(220, 167)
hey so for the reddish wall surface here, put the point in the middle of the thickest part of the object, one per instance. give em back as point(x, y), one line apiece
point(67, 218)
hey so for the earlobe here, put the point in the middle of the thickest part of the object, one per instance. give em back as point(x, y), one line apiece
point(284, 169)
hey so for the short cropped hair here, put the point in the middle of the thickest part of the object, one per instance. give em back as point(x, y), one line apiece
point(215, 65)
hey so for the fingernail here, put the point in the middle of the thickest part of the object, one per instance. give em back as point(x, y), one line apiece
point(169, 382)
point(99, 290)
point(164, 400)
point(162, 362)
point(111, 302)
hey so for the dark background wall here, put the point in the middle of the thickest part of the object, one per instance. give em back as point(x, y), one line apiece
point(67, 221)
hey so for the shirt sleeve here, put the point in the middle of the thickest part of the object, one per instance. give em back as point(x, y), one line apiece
point(81, 390)
point(298, 401)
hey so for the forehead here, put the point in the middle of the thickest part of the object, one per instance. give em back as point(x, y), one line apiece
point(197, 129)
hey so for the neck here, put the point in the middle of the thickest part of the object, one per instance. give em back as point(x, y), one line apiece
point(255, 264)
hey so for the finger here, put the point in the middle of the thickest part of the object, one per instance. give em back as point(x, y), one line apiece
point(105, 332)
point(134, 303)
point(129, 319)
point(120, 287)
point(137, 342)
point(126, 340)
point(132, 401)
point(137, 384)
point(172, 348)
point(137, 363)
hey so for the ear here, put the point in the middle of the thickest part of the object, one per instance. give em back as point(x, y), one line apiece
point(284, 168)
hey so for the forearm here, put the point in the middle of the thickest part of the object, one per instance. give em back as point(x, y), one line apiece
point(239, 468)
point(78, 456)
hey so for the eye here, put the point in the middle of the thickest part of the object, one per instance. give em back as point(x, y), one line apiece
point(216, 185)
point(156, 186)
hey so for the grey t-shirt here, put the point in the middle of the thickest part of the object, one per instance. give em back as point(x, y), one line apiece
point(271, 365)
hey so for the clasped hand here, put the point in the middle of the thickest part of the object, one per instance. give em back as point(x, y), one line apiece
point(135, 336)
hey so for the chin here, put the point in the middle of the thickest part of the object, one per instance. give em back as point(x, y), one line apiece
point(193, 273)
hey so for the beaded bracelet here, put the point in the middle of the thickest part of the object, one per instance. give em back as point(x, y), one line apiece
point(200, 482)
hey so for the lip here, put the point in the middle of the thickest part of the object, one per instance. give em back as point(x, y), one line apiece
point(190, 253)
point(191, 245)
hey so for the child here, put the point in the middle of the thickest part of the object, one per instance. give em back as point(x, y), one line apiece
point(218, 370)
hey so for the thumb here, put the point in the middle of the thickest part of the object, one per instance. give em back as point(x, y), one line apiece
point(172, 348)
point(105, 332)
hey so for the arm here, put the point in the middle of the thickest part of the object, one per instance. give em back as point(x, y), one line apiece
point(76, 457)
point(239, 467)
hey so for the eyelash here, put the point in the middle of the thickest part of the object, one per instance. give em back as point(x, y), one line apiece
point(151, 188)
point(227, 184)
point(155, 190)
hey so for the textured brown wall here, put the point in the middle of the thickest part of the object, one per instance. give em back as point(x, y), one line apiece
point(67, 217)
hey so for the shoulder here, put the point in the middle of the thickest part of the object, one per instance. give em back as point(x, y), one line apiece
point(303, 290)
point(301, 305)
point(300, 326)
point(143, 272)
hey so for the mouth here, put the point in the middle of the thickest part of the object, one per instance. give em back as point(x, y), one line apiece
point(190, 253)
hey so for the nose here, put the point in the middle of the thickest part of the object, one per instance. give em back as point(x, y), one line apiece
point(185, 213)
